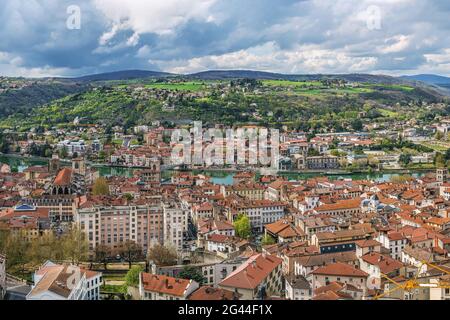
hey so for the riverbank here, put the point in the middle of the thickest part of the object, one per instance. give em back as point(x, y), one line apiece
point(225, 176)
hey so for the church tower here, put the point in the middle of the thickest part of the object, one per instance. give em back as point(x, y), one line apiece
point(79, 166)
point(442, 175)
point(54, 164)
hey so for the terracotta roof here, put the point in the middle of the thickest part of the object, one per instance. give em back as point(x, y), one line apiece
point(284, 229)
point(164, 284)
point(214, 294)
point(63, 178)
point(340, 269)
point(384, 262)
point(251, 273)
point(340, 205)
point(367, 243)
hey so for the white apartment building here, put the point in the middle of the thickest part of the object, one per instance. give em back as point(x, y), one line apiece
point(72, 147)
point(175, 223)
point(394, 241)
point(65, 282)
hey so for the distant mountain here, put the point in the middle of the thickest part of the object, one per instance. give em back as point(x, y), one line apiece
point(260, 75)
point(429, 78)
point(123, 75)
point(236, 74)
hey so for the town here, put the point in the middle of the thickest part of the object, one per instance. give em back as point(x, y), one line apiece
point(97, 215)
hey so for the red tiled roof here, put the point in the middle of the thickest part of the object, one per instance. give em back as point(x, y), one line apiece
point(214, 294)
point(164, 284)
point(251, 273)
point(340, 269)
point(63, 178)
point(385, 263)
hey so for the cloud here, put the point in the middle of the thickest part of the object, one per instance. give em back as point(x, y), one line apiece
point(269, 57)
point(294, 36)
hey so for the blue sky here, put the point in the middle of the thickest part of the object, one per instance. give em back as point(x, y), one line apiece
point(183, 36)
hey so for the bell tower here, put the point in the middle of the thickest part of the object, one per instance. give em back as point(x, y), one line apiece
point(442, 175)
point(79, 166)
point(54, 164)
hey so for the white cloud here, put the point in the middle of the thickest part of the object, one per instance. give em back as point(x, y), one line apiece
point(269, 57)
point(396, 44)
point(154, 16)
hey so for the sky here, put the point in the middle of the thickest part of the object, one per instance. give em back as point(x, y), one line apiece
point(72, 38)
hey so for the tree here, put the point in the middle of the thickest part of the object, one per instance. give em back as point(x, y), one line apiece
point(401, 179)
point(162, 255)
point(101, 187)
point(63, 153)
point(313, 152)
point(102, 253)
point(357, 125)
point(130, 251)
point(447, 155)
point(405, 159)
point(192, 273)
point(439, 160)
point(268, 240)
point(75, 245)
point(243, 227)
point(17, 251)
point(132, 277)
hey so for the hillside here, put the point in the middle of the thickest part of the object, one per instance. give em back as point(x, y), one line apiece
point(429, 78)
point(122, 75)
point(328, 103)
point(26, 95)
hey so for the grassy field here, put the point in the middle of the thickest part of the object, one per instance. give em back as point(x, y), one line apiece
point(388, 113)
point(437, 145)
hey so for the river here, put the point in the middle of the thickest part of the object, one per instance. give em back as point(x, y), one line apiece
point(19, 164)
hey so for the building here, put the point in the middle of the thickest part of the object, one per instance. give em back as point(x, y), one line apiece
point(340, 272)
point(318, 163)
point(394, 241)
point(306, 264)
point(75, 147)
point(27, 221)
point(298, 288)
point(339, 241)
point(65, 282)
point(285, 231)
point(259, 212)
point(2, 276)
point(259, 276)
point(342, 208)
point(442, 175)
point(377, 265)
point(441, 291)
point(159, 287)
point(225, 246)
point(248, 190)
point(214, 294)
point(175, 223)
point(111, 225)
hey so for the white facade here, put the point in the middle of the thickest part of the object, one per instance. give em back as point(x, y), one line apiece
point(175, 223)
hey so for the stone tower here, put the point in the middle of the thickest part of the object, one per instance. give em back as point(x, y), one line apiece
point(79, 166)
point(442, 175)
point(54, 164)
